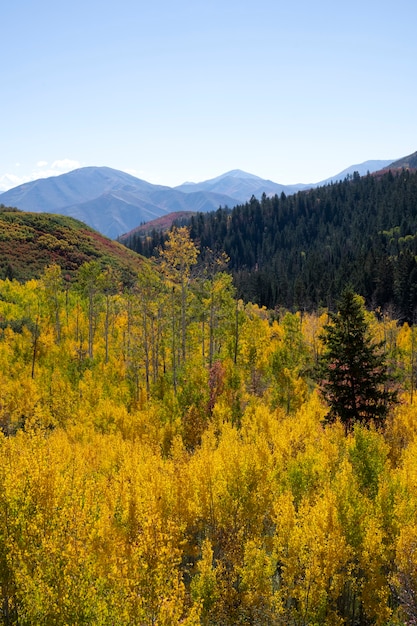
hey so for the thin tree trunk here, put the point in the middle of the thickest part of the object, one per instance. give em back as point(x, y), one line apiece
point(236, 333)
point(35, 346)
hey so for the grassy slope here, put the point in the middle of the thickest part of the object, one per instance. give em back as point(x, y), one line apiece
point(162, 224)
point(31, 241)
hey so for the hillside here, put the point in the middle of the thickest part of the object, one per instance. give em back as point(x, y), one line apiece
point(405, 163)
point(408, 162)
point(300, 251)
point(31, 241)
point(160, 225)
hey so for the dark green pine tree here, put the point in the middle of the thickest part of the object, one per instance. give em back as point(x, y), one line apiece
point(353, 373)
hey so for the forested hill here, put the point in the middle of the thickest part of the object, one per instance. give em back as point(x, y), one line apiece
point(300, 251)
point(31, 241)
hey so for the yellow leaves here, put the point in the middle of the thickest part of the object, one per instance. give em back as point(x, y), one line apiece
point(401, 430)
point(373, 560)
point(50, 242)
point(152, 581)
point(36, 495)
point(368, 456)
point(352, 506)
point(255, 345)
point(179, 254)
point(126, 500)
point(406, 505)
point(405, 338)
point(405, 578)
point(256, 582)
point(235, 477)
point(312, 556)
point(204, 586)
point(106, 529)
point(18, 398)
point(93, 530)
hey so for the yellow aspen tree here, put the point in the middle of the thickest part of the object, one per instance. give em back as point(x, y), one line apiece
point(150, 294)
point(256, 585)
point(219, 309)
point(18, 398)
point(53, 515)
point(312, 560)
point(289, 360)
point(204, 585)
point(255, 348)
point(407, 348)
point(52, 283)
point(90, 279)
point(154, 586)
point(111, 285)
point(8, 586)
point(404, 580)
point(178, 256)
point(375, 593)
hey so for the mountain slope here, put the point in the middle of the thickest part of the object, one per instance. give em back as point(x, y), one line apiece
point(80, 185)
point(242, 185)
point(114, 202)
point(110, 201)
point(361, 168)
point(31, 241)
point(408, 162)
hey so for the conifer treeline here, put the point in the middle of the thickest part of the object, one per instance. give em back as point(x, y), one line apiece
point(300, 251)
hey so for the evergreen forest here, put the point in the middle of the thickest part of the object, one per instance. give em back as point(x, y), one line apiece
point(300, 251)
point(172, 454)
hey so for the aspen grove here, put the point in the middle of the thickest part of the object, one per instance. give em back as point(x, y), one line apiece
point(165, 459)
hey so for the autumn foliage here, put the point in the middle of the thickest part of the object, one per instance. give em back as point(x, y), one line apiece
point(164, 460)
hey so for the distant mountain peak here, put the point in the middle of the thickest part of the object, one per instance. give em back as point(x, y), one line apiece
point(238, 174)
point(111, 201)
point(114, 202)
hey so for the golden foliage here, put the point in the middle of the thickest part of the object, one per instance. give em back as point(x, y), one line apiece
point(137, 487)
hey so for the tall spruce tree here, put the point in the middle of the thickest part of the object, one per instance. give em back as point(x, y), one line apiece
point(353, 372)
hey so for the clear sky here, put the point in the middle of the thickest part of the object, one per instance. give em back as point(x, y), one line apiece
point(185, 90)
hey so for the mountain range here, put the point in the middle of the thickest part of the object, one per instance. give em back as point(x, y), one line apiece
point(114, 202)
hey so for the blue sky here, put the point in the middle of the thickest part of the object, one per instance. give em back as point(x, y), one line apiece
point(182, 90)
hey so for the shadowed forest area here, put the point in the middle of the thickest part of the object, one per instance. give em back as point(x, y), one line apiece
point(300, 251)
